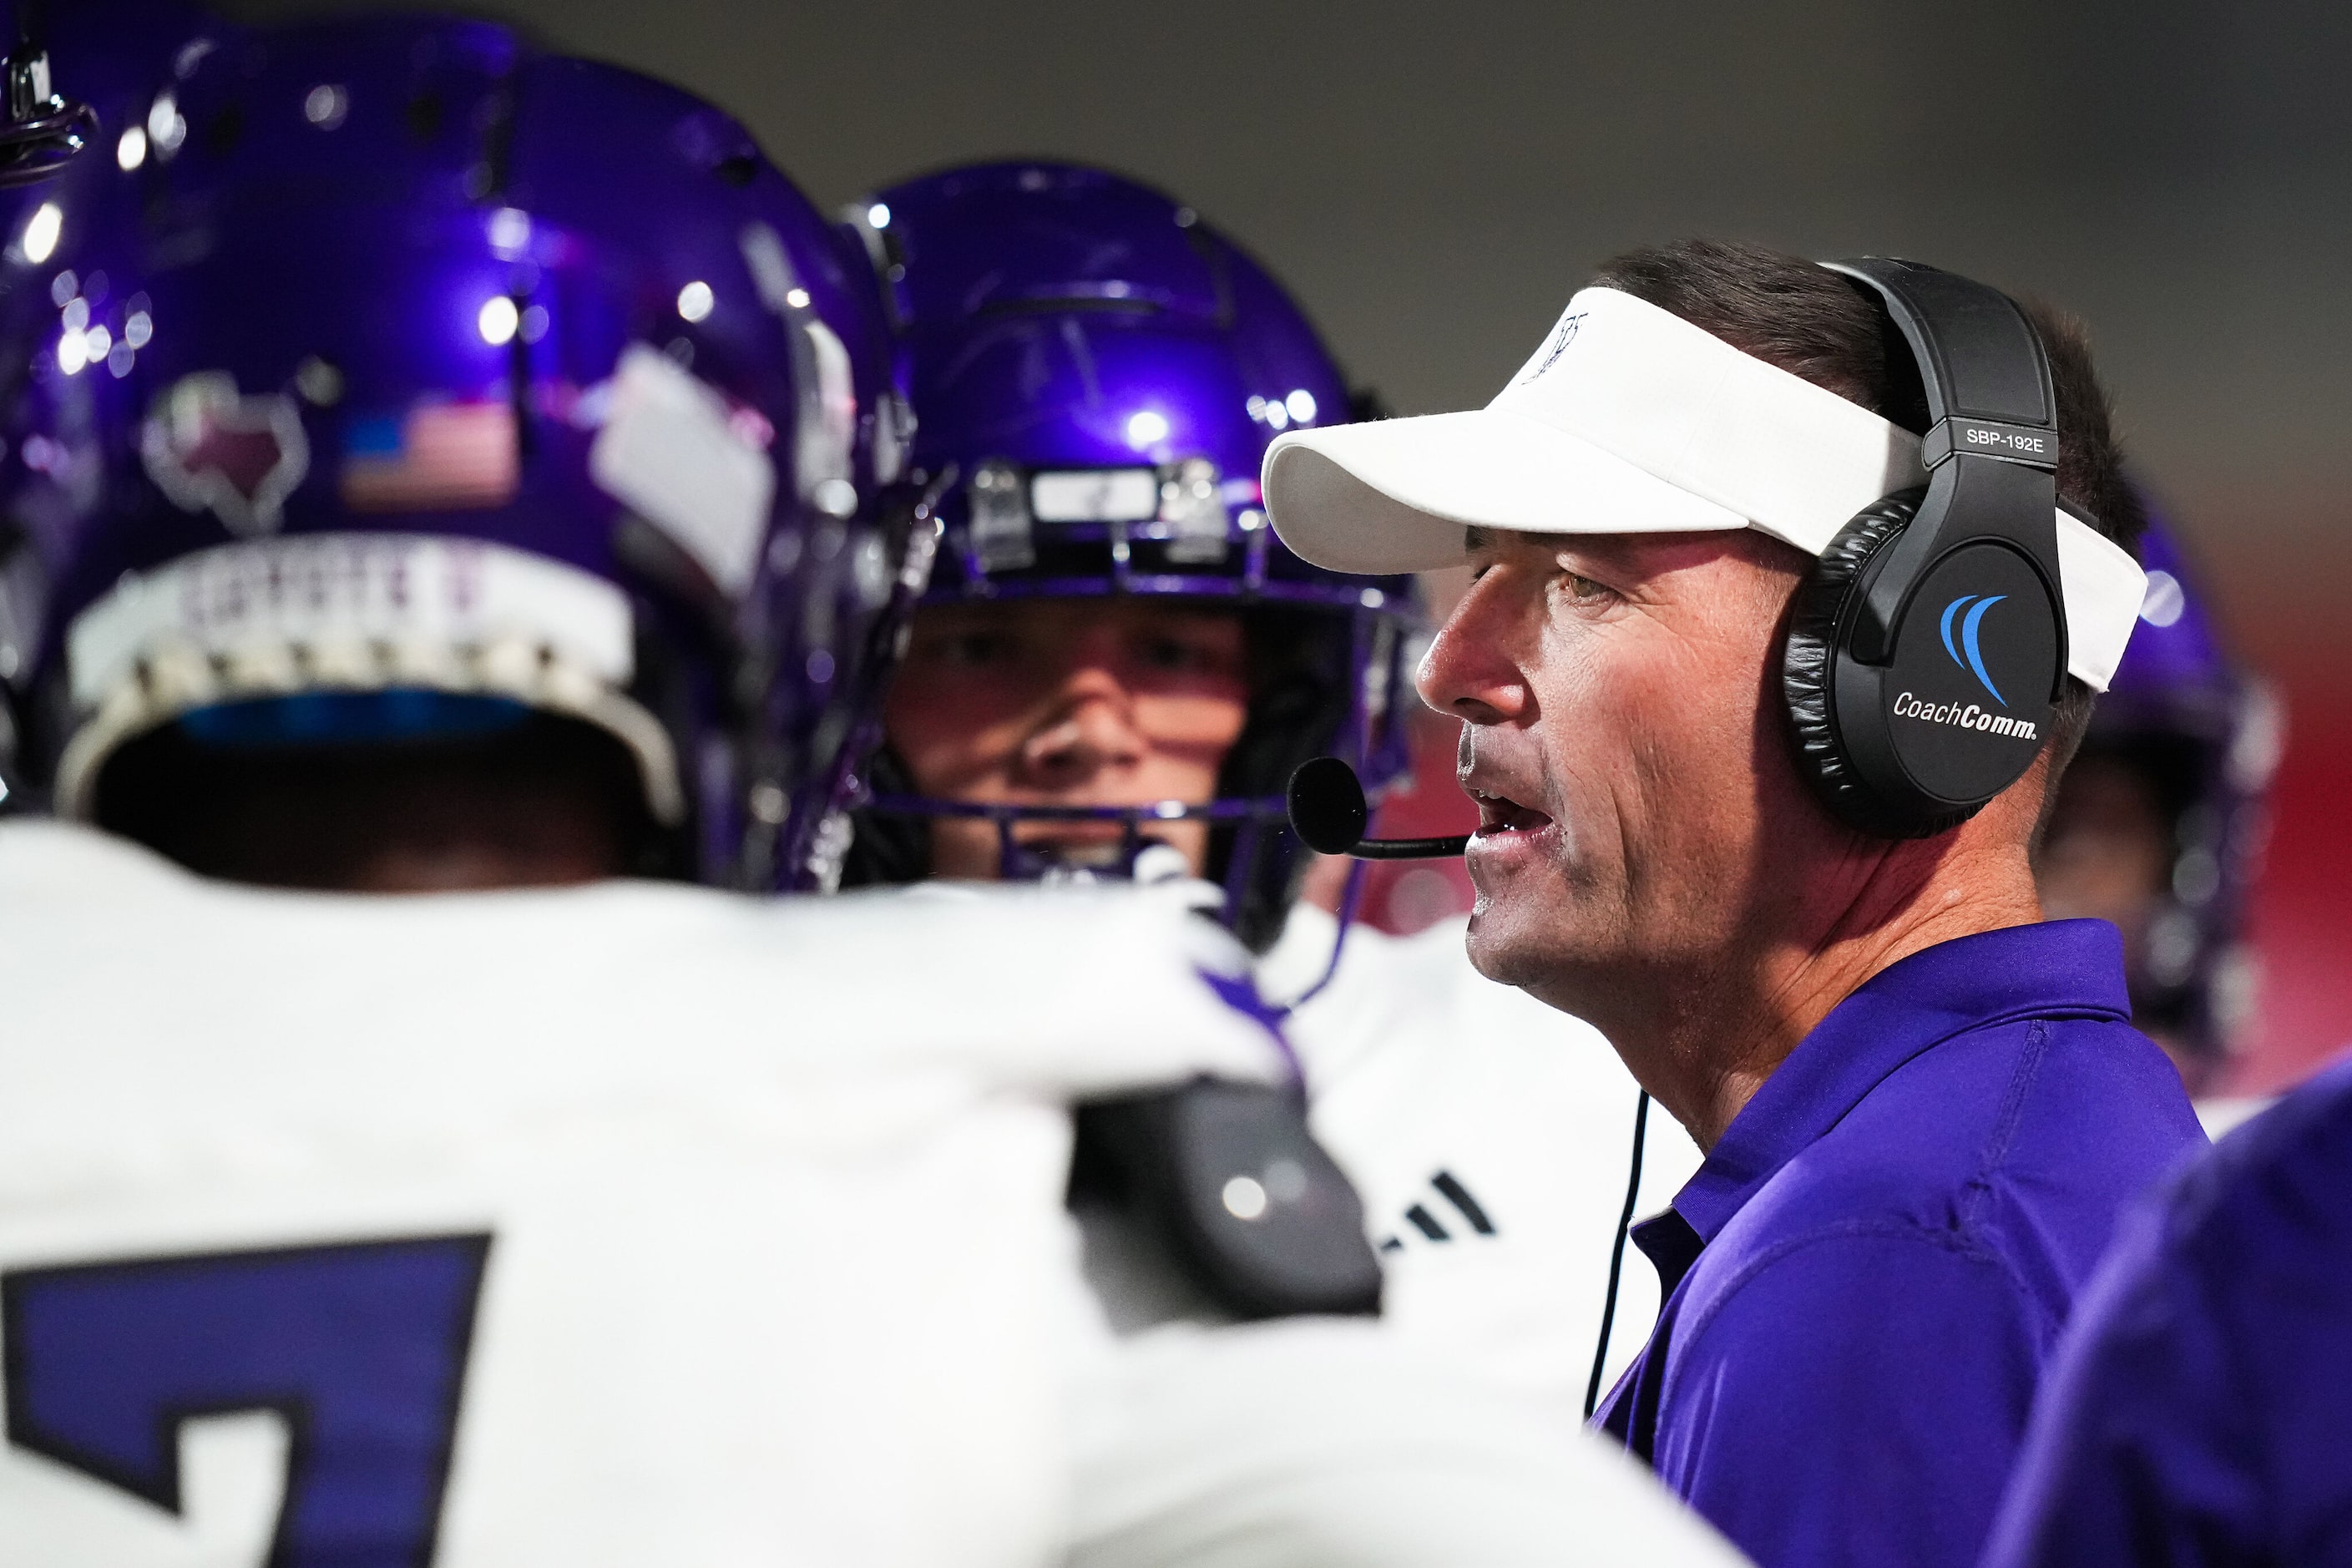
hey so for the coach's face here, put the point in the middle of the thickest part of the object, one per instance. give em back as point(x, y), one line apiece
point(1637, 809)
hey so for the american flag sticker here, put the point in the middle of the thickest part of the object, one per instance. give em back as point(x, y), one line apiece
point(438, 457)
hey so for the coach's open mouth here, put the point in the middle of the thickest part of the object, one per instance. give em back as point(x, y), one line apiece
point(1500, 815)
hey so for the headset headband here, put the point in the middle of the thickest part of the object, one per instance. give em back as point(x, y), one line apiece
point(1991, 447)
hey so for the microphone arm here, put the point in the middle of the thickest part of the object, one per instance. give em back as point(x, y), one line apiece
point(1437, 848)
point(1328, 811)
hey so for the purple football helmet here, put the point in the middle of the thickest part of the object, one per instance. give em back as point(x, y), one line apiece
point(2208, 736)
point(1096, 374)
point(412, 380)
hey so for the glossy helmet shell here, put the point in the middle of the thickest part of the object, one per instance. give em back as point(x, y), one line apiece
point(46, 121)
point(2208, 734)
point(114, 54)
point(1099, 373)
point(402, 296)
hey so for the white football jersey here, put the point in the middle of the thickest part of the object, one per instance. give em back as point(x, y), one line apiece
point(1316, 1443)
point(616, 1226)
point(639, 1224)
point(1490, 1138)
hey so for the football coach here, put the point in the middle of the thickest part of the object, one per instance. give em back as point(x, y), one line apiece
point(1793, 589)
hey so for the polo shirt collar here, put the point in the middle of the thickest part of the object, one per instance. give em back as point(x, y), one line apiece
point(2072, 967)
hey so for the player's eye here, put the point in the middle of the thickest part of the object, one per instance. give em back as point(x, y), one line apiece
point(974, 650)
point(1175, 654)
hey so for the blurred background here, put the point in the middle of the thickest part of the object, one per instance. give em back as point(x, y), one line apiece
point(1433, 180)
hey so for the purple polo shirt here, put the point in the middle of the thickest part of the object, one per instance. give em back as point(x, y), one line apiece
point(2199, 1411)
point(1864, 1280)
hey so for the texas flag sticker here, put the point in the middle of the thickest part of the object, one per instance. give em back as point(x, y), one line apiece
point(210, 448)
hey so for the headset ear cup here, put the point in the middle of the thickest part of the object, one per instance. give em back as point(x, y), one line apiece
point(1809, 668)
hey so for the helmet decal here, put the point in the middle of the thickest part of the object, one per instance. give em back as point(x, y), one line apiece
point(351, 612)
point(670, 450)
point(438, 457)
point(210, 448)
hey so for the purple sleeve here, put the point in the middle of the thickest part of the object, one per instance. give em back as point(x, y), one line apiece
point(1857, 1400)
point(2142, 1450)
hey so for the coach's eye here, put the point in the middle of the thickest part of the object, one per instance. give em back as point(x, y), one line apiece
point(1580, 589)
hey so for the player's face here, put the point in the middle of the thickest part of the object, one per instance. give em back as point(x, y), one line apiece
point(1636, 806)
point(1067, 702)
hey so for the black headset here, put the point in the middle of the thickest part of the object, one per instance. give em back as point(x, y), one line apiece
point(1926, 650)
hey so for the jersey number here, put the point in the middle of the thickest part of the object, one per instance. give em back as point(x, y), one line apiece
point(361, 1349)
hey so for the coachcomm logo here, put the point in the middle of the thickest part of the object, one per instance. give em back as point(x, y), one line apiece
point(1962, 621)
point(1974, 618)
point(1969, 717)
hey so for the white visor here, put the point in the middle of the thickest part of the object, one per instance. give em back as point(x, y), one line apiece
point(354, 612)
point(1628, 419)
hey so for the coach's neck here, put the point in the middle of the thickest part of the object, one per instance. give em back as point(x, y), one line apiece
point(1702, 1041)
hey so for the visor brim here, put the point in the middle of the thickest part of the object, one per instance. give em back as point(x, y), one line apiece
point(1396, 495)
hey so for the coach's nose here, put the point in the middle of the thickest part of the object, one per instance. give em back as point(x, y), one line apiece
point(1470, 671)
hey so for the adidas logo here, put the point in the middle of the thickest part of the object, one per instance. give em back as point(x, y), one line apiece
point(1431, 1225)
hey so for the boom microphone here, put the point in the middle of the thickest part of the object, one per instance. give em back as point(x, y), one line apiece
point(1328, 811)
